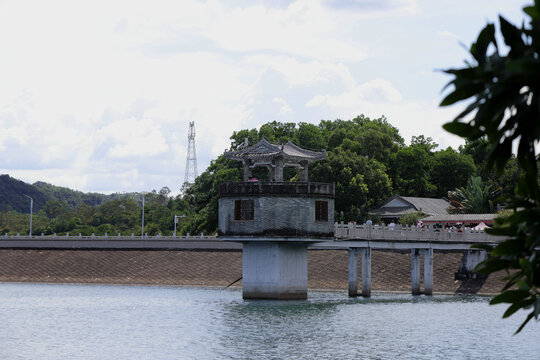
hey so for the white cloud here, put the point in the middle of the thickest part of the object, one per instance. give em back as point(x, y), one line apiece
point(375, 91)
point(284, 108)
point(447, 34)
point(132, 137)
point(376, 7)
point(98, 95)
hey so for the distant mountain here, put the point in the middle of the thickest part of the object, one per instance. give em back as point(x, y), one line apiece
point(13, 191)
point(12, 195)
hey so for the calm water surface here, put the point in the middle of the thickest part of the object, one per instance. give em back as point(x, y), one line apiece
point(42, 321)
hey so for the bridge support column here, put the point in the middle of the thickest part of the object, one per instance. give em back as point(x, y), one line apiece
point(274, 270)
point(366, 272)
point(415, 271)
point(471, 258)
point(353, 272)
point(428, 271)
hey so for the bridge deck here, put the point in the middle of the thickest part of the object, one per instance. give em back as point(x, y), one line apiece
point(346, 236)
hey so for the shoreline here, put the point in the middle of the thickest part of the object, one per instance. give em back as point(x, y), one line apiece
point(213, 287)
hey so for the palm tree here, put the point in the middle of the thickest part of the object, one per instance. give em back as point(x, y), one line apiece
point(474, 198)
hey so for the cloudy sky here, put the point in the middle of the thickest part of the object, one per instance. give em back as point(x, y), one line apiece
point(98, 95)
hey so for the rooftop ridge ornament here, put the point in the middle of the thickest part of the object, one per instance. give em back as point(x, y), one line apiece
point(275, 158)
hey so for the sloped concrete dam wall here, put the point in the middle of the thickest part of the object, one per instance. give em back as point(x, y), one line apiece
point(327, 269)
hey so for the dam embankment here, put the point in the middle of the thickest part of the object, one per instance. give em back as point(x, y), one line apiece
point(327, 269)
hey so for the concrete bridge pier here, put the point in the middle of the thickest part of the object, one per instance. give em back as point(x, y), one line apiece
point(415, 271)
point(353, 272)
point(366, 271)
point(274, 270)
point(428, 271)
point(470, 259)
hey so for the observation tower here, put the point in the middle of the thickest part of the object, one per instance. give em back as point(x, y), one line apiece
point(275, 220)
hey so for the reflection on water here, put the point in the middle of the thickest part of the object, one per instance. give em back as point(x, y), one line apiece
point(43, 321)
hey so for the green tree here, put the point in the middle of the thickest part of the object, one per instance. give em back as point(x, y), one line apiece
point(411, 218)
point(450, 170)
point(506, 181)
point(475, 198)
point(203, 194)
point(411, 168)
point(360, 183)
point(505, 108)
point(54, 208)
point(426, 142)
point(309, 136)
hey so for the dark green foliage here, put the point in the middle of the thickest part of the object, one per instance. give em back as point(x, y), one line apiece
point(411, 167)
point(474, 198)
point(12, 193)
point(12, 197)
point(450, 170)
point(411, 218)
point(503, 184)
point(505, 110)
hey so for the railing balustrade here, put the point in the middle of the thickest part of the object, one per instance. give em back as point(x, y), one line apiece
point(342, 231)
point(352, 231)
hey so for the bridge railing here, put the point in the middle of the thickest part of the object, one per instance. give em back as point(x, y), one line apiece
point(110, 237)
point(352, 231)
point(342, 231)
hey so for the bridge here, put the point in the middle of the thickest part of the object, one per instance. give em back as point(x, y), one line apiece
point(356, 239)
point(361, 239)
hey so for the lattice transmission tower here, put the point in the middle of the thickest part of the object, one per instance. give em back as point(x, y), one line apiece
point(191, 161)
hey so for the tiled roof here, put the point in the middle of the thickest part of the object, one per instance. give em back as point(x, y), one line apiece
point(266, 150)
point(429, 206)
point(463, 218)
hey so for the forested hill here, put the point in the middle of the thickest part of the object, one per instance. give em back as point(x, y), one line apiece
point(13, 191)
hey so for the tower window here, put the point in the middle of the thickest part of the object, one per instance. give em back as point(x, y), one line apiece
point(321, 210)
point(243, 210)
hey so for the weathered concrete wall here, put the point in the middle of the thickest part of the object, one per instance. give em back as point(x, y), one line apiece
point(281, 216)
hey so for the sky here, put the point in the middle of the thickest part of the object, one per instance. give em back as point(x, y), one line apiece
point(98, 95)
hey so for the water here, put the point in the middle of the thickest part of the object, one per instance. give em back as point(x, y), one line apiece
point(45, 321)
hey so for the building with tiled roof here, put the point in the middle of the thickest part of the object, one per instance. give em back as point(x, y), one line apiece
point(397, 206)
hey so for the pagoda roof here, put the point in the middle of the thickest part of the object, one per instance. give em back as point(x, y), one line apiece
point(265, 151)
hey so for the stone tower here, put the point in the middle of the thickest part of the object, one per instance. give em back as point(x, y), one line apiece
point(275, 220)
